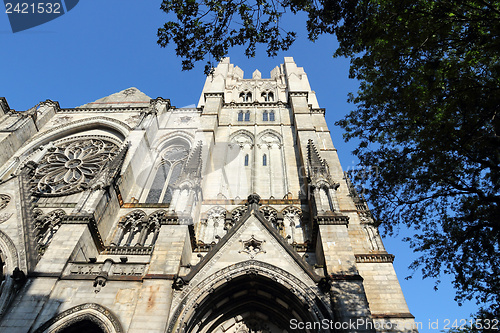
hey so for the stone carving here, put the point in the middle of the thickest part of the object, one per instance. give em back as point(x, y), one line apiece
point(185, 302)
point(292, 223)
point(137, 230)
point(45, 228)
point(4, 200)
point(237, 213)
point(62, 120)
point(132, 120)
point(214, 226)
point(270, 140)
point(252, 247)
point(86, 314)
point(242, 139)
point(5, 216)
point(129, 91)
point(70, 165)
point(184, 120)
point(270, 214)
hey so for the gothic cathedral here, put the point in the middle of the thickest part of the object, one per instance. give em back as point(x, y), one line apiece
point(130, 215)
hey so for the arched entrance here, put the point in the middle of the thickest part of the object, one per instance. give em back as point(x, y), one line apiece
point(249, 297)
point(81, 326)
point(249, 303)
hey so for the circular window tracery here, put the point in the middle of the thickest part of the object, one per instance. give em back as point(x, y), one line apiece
point(72, 163)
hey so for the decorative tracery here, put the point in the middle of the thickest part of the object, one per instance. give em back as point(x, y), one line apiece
point(168, 172)
point(69, 165)
point(214, 226)
point(46, 225)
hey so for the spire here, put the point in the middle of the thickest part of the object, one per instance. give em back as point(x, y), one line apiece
point(318, 168)
point(194, 164)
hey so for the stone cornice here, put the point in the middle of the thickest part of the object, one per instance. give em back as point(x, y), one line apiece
point(104, 110)
point(374, 258)
point(346, 277)
point(332, 220)
point(262, 201)
point(90, 221)
point(406, 315)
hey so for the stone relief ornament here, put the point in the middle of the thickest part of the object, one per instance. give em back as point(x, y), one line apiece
point(4, 200)
point(270, 214)
point(62, 120)
point(237, 213)
point(70, 165)
point(133, 119)
point(129, 91)
point(252, 247)
point(5, 216)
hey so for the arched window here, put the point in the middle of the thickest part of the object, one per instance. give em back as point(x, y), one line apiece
point(246, 160)
point(168, 172)
point(264, 96)
point(265, 116)
point(247, 116)
point(270, 97)
point(243, 97)
point(240, 116)
point(271, 116)
point(264, 160)
point(249, 97)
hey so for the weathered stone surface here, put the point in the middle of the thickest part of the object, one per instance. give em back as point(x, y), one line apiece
point(228, 217)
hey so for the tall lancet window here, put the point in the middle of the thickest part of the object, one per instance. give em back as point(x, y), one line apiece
point(246, 160)
point(264, 160)
point(271, 116)
point(167, 173)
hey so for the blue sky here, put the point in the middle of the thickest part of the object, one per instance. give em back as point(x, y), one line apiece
point(102, 47)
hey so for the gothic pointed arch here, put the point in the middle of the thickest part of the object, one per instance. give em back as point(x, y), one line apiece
point(89, 317)
point(9, 266)
point(173, 154)
point(107, 126)
point(271, 215)
point(269, 137)
point(246, 297)
point(242, 137)
point(128, 231)
point(213, 226)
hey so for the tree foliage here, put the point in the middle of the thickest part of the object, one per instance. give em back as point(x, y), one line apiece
point(426, 113)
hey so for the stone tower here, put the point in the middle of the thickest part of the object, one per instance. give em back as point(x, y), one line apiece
point(130, 215)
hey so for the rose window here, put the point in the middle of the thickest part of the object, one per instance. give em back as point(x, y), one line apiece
point(68, 165)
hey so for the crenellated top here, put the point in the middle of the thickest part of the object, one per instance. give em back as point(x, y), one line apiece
point(227, 81)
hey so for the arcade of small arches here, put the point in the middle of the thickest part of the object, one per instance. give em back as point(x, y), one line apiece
point(289, 223)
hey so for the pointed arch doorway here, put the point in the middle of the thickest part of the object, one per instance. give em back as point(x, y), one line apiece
point(249, 303)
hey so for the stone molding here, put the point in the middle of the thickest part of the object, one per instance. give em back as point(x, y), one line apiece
point(192, 294)
point(332, 220)
point(117, 271)
point(110, 109)
point(374, 258)
point(96, 313)
point(100, 120)
point(243, 201)
point(128, 250)
point(346, 277)
point(393, 316)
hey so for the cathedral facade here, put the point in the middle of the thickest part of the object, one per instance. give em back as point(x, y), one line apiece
point(130, 215)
